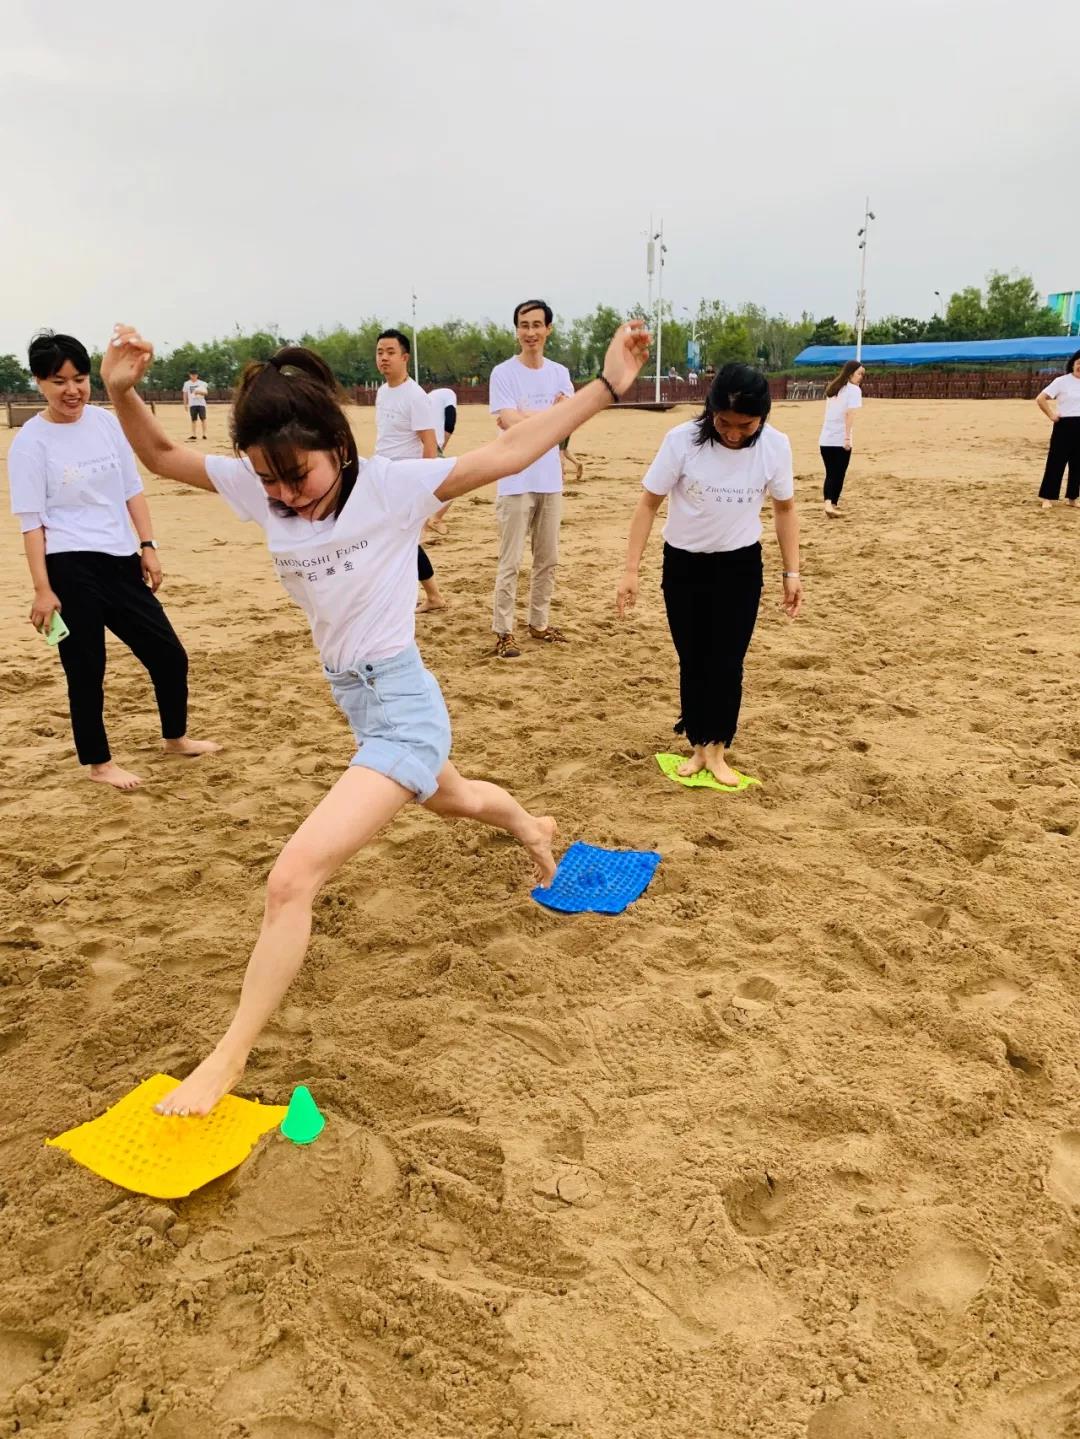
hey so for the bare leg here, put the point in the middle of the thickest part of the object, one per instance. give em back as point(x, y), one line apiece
point(191, 748)
point(434, 599)
point(460, 798)
point(351, 814)
point(694, 764)
point(111, 773)
point(718, 766)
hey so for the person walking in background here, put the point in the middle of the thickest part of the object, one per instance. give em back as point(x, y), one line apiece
point(715, 473)
point(1060, 403)
point(444, 413)
point(195, 392)
point(405, 430)
point(92, 555)
point(529, 503)
point(842, 398)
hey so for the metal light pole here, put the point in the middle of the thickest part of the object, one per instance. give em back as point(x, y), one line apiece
point(860, 312)
point(940, 305)
point(415, 342)
point(659, 236)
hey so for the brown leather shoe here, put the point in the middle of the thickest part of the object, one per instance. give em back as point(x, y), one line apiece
point(506, 647)
point(549, 636)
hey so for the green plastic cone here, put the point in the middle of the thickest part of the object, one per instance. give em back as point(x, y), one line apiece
point(303, 1120)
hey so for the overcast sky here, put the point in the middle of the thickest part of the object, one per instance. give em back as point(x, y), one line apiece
point(193, 168)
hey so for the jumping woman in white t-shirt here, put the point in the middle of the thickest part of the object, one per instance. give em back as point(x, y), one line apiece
point(342, 534)
point(715, 472)
point(90, 547)
point(842, 398)
point(1060, 402)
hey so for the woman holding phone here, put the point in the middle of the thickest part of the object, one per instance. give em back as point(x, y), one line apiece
point(92, 555)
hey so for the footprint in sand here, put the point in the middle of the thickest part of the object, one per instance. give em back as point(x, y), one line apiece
point(1063, 1178)
point(754, 994)
point(995, 993)
point(943, 1276)
point(757, 1206)
point(22, 1355)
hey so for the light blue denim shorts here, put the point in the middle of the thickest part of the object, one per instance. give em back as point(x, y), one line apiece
point(396, 711)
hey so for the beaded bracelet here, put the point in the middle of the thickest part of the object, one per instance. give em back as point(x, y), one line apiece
point(609, 387)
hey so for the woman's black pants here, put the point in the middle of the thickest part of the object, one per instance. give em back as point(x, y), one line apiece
point(1064, 452)
point(712, 604)
point(106, 592)
point(836, 458)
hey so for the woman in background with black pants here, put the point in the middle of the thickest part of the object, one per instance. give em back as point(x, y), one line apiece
point(842, 398)
point(715, 473)
point(76, 490)
point(1060, 403)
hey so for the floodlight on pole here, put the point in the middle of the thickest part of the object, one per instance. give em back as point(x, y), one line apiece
point(860, 309)
point(415, 342)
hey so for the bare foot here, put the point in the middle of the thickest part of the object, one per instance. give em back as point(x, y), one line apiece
point(1046, 504)
point(111, 773)
point(694, 765)
point(539, 845)
point(191, 748)
point(203, 1087)
point(831, 510)
point(425, 607)
point(718, 766)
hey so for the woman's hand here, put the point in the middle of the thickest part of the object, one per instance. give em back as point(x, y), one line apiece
point(42, 609)
point(847, 443)
point(626, 594)
point(628, 351)
point(151, 569)
point(126, 359)
point(791, 604)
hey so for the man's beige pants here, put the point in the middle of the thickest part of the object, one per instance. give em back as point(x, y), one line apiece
point(538, 517)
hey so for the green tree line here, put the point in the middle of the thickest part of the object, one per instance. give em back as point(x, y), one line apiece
point(461, 350)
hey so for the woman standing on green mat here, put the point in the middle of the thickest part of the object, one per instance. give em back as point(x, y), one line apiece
point(715, 473)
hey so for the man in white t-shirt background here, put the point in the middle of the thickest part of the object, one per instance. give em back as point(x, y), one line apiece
point(530, 503)
point(405, 430)
point(195, 392)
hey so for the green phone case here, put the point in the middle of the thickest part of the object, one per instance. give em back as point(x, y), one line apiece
point(57, 630)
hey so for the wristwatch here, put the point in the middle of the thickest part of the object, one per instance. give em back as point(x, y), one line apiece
point(148, 544)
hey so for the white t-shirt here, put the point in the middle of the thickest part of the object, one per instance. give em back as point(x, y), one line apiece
point(194, 392)
point(400, 412)
point(75, 481)
point(1066, 391)
point(354, 576)
point(440, 401)
point(836, 407)
point(514, 386)
point(715, 494)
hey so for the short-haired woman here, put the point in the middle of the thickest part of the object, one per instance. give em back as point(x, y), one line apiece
point(715, 472)
point(1060, 403)
point(90, 547)
point(842, 398)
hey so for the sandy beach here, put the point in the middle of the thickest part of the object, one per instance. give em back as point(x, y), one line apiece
point(789, 1150)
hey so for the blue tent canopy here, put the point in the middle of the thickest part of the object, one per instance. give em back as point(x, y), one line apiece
point(949, 352)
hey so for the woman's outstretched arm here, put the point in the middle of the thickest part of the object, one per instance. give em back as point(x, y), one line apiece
point(517, 448)
point(125, 361)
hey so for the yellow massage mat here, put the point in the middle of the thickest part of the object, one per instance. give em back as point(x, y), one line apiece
point(164, 1155)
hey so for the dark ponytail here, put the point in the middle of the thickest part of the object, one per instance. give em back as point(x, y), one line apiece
point(736, 387)
point(293, 402)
